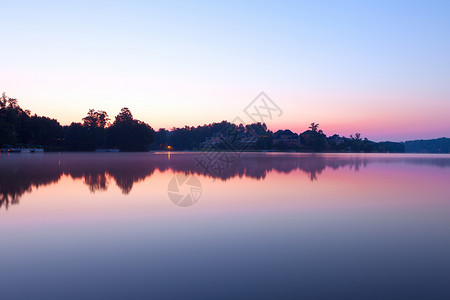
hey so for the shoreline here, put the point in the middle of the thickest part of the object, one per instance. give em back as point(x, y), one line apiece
point(103, 151)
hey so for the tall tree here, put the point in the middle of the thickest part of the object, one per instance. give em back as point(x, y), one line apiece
point(12, 103)
point(90, 119)
point(3, 100)
point(124, 117)
point(102, 118)
point(96, 119)
point(314, 127)
point(129, 134)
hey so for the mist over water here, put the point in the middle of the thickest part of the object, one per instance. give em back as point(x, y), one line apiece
point(90, 225)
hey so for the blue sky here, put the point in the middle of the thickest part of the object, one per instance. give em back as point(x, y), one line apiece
point(379, 68)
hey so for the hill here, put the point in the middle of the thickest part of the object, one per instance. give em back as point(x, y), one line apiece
point(441, 145)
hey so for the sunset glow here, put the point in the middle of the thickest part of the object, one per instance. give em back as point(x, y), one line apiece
point(381, 69)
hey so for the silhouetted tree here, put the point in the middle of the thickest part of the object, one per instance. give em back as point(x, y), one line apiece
point(96, 119)
point(124, 117)
point(161, 137)
point(129, 134)
point(12, 103)
point(96, 122)
point(19, 128)
point(3, 100)
point(390, 147)
point(356, 143)
point(314, 139)
point(441, 145)
point(357, 136)
point(314, 127)
point(79, 138)
point(44, 131)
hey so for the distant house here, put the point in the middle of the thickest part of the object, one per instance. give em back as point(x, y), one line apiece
point(336, 139)
point(248, 140)
point(286, 138)
point(213, 140)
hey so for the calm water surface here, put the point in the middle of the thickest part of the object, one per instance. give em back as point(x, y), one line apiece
point(127, 225)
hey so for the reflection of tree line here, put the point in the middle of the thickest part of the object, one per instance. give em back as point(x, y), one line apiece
point(21, 173)
point(16, 180)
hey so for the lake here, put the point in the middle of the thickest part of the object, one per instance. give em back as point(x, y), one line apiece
point(224, 225)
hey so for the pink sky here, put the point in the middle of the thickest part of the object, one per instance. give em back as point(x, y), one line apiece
point(353, 67)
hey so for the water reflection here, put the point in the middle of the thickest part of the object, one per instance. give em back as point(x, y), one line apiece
point(269, 226)
point(20, 173)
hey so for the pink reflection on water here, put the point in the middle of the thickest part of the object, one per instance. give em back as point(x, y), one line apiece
point(91, 188)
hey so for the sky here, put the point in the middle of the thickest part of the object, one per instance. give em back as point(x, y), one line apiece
point(381, 68)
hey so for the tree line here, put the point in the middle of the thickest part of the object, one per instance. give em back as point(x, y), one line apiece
point(226, 136)
point(18, 128)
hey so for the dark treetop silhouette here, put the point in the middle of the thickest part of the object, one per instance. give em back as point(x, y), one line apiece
point(20, 129)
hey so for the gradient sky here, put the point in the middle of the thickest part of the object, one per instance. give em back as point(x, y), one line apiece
point(381, 68)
